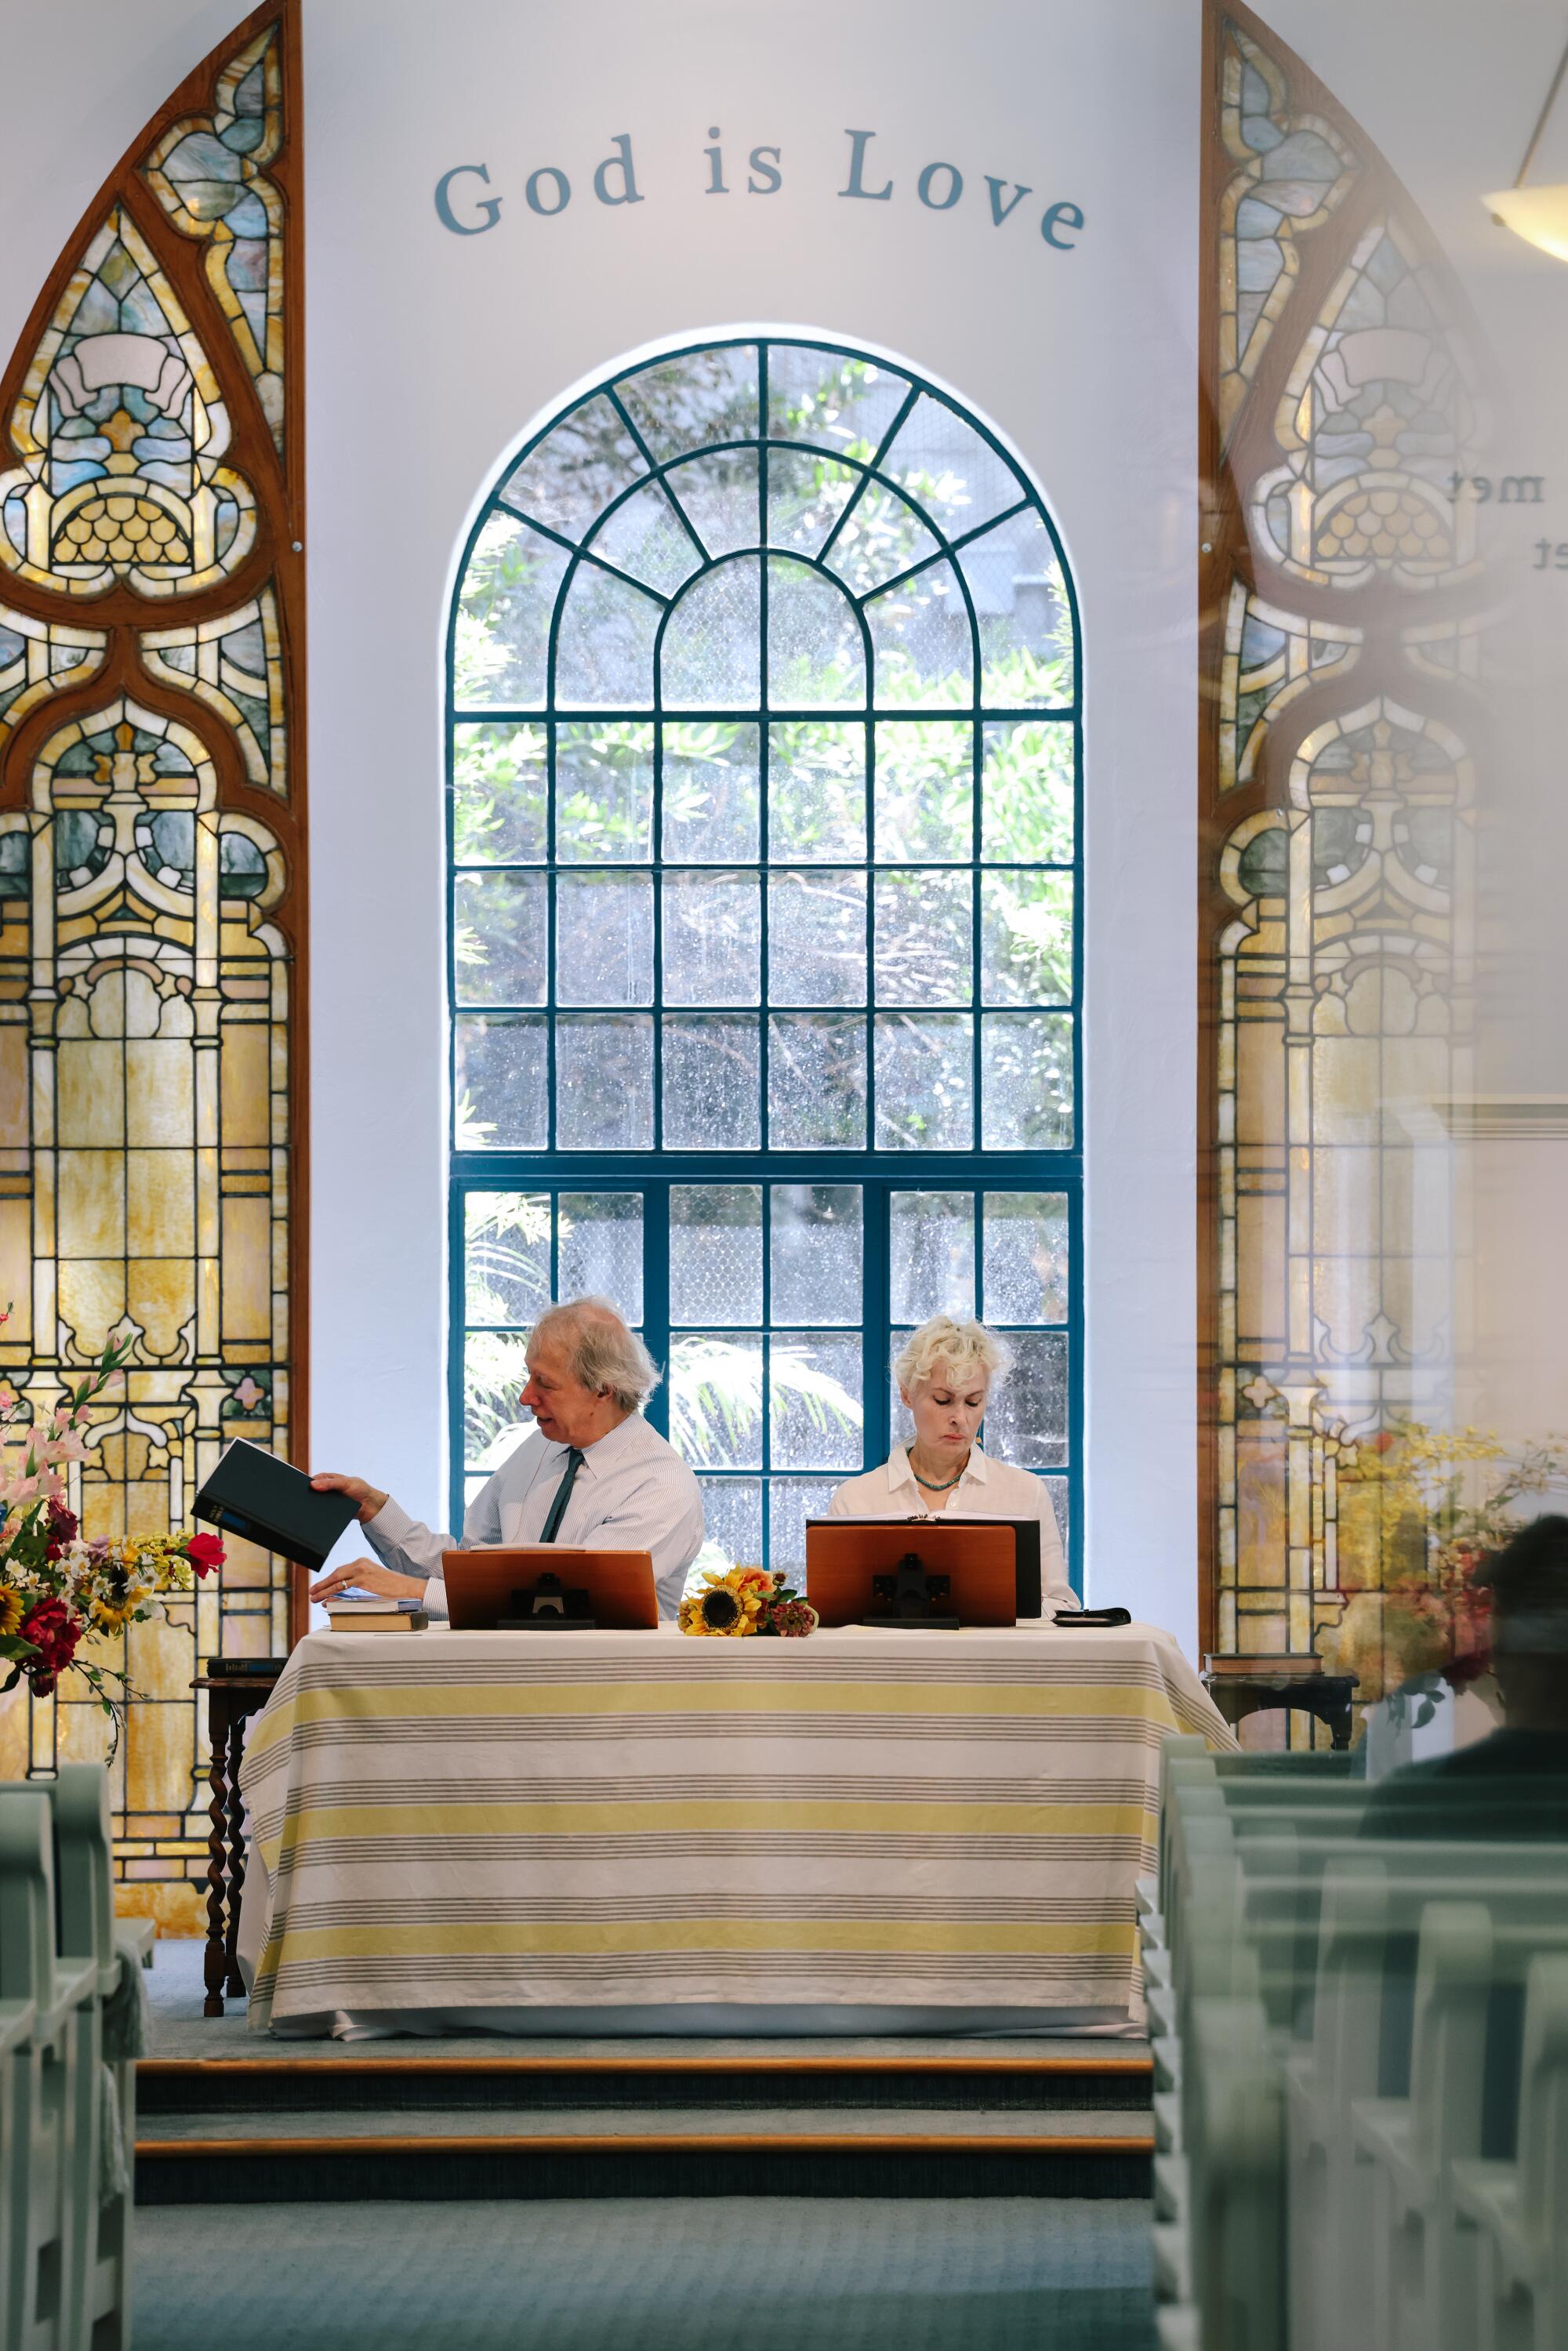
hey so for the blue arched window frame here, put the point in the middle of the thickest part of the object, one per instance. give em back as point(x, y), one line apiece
point(888, 1184)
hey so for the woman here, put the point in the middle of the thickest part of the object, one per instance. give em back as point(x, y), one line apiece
point(944, 1375)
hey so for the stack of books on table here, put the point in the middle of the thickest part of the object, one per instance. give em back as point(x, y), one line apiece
point(375, 1615)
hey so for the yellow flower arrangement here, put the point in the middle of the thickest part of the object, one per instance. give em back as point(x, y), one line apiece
point(11, 1608)
point(741, 1601)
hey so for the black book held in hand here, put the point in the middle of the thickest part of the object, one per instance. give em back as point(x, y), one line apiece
point(269, 1502)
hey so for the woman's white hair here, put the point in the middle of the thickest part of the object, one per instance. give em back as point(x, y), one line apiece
point(602, 1354)
point(962, 1349)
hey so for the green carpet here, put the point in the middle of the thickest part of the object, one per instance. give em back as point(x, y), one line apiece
point(770, 2274)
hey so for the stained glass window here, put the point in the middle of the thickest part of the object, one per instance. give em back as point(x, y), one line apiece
point(151, 891)
point(1339, 803)
point(764, 800)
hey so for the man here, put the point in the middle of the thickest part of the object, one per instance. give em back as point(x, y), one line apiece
point(1515, 1782)
point(591, 1472)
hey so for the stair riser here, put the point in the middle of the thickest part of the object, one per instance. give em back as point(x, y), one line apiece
point(349, 2089)
point(525, 2177)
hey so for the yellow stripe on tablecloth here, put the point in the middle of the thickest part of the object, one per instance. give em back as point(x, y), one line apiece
point(574, 1816)
point(422, 1702)
point(447, 1937)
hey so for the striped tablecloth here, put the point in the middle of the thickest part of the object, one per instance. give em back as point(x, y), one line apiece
point(568, 1820)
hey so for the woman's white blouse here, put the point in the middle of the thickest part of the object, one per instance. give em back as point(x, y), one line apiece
point(988, 1489)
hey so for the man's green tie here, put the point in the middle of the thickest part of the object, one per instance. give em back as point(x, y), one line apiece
point(562, 1495)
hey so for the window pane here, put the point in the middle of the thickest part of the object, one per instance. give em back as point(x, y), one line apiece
point(925, 792)
point(1026, 1257)
point(829, 397)
point(604, 938)
point(710, 793)
point(582, 463)
point(1027, 787)
point(1061, 1493)
point(701, 396)
point(506, 1256)
point(816, 1081)
point(881, 536)
point(924, 1081)
point(924, 947)
point(931, 1239)
point(716, 1400)
point(712, 654)
point(712, 1081)
point(604, 1083)
point(816, 1252)
point(647, 538)
point(732, 1514)
point(500, 1099)
point(816, 937)
point(953, 475)
point(921, 639)
point(1026, 1422)
point(500, 938)
point(816, 790)
point(1026, 1082)
point(790, 1503)
point(1026, 931)
point(604, 648)
point(598, 1249)
point(806, 496)
point(717, 492)
point(494, 1375)
point(900, 1424)
point(502, 635)
point(1021, 606)
point(715, 1253)
point(814, 1402)
point(498, 796)
point(713, 941)
point(604, 793)
point(816, 654)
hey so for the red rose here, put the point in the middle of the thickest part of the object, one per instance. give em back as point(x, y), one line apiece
point(52, 1632)
point(204, 1551)
point(61, 1528)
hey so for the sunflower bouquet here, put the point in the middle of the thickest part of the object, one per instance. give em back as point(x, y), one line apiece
point(744, 1600)
point(57, 1589)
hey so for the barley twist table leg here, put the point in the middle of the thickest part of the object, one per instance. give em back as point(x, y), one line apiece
point(234, 1982)
point(215, 1965)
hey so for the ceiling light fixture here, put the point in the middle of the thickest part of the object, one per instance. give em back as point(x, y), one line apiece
point(1540, 215)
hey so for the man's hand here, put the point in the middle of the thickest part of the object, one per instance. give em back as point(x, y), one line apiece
point(369, 1575)
point(367, 1499)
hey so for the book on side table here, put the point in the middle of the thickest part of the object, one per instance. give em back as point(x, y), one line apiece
point(370, 1614)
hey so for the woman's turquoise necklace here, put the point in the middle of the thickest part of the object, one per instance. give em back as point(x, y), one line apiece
point(924, 1483)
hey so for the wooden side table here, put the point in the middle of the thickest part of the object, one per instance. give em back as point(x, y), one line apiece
point(232, 1699)
point(1244, 1686)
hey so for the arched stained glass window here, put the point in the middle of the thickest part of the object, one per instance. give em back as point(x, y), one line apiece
point(764, 782)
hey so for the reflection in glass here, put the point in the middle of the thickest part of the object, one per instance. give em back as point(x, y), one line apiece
point(816, 937)
point(833, 399)
point(604, 1081)
point(816, 654)
point(925, 949)
point(1026, 1082)
point(604, 646)
point(701, 396)
point(716, 1399)
point(931, 1241)
point(806, 496)
point(581, 463)
point(732, 1515)
point(1027, 788)
point(710, 792)
point(502, 637)
point(715, 1253)
point(498, 796)
point(1026, 933)
point(500, 1099)
point(814, 1409)
point(712, 938)
point(921, 642)
point(816, 790)
point(603, 792)
point(711, 652)
point(924, 1081)
point(816, 1252)
point(604, 938)
point(495, 1374)
point(1026, 1257)
point(1025, 1421)
point(717, 494)
point(881, 537)
point(647, 538)
point(711, 1085)
point(506, 1256)
point(598, 1248)
point(951, 474)
point(925, 790)
point(790, 1503)
point(816, 1081)
point(500, 938)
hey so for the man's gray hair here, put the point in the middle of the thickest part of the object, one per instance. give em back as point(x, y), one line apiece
point(603, 1354)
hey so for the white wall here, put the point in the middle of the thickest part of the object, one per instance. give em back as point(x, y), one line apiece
point(431, 354)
